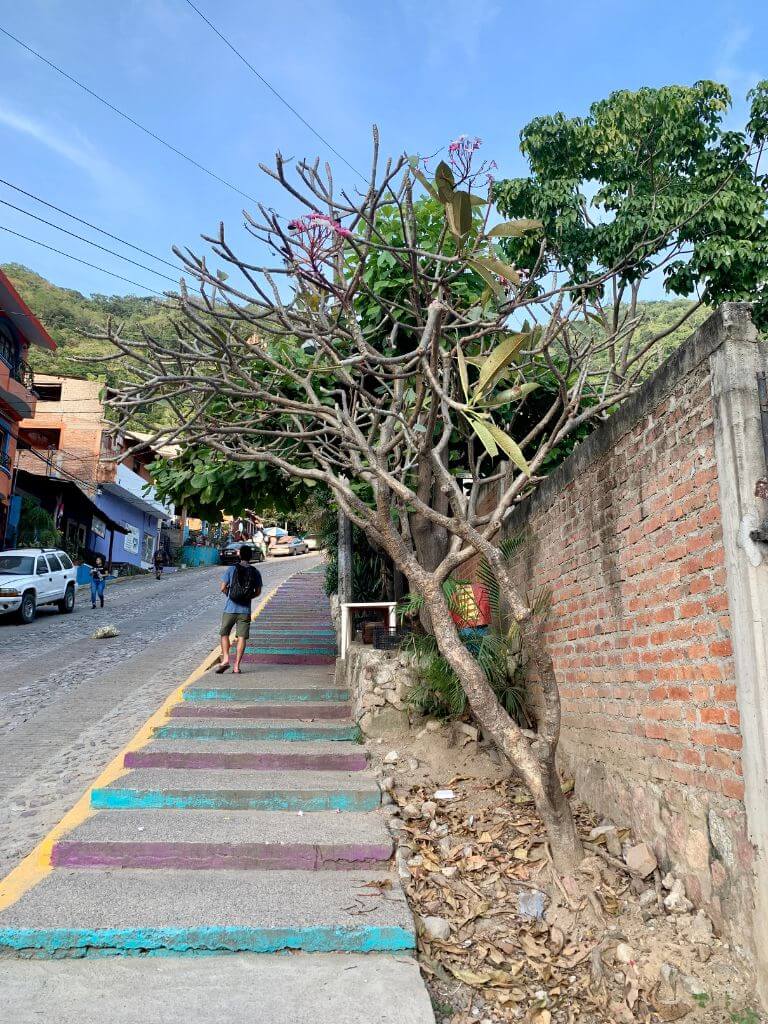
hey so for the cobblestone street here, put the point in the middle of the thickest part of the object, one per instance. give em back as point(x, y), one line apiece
point(68, 703)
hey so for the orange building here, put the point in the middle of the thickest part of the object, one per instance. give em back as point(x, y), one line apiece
point(19, 329)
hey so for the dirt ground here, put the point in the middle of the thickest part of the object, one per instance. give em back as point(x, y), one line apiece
point(503, 938)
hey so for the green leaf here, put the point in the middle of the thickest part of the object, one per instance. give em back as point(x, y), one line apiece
point(514, 228)
point(416, 172)
point(445, 182)
point(501, 356)
point(485, 436)
point(459, 214)
point(497, 266)
point(511, 395)
point(477, 200)
point(490, 279)
point(463, 371)
point(509, 447)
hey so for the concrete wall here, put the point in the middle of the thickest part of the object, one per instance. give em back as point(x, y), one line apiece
point(638, 537)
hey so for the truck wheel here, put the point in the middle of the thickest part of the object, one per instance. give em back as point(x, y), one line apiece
point(67, 604)
point(28, 608)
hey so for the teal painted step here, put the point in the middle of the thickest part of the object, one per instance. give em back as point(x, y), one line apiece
point(252, 649)
point(81, 912)
point(240, 789)
point(232, 800)
point(287, 732)
point(260, 695)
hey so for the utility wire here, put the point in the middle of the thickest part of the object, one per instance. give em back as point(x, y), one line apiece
point(273, 90)
point(85, 263)
point(127, 117)
point(80, 220)
point(88, 241)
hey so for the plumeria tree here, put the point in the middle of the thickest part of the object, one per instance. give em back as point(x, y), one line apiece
point(389, 349)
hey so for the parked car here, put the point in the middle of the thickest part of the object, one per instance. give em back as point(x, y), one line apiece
point(289, 546)
point(313, 543)
point(32, 577)
point(230, 553)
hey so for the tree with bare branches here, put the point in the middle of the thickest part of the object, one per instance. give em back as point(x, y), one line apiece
point(430, 398)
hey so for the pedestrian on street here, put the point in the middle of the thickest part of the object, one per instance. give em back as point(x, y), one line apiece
point(159, 561)
point(98, 581)
point(241, 583)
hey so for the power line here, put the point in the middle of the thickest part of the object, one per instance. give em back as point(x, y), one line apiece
point(88, 241)
point(272, 89)
point(77, 259)
point(94, 227)
point(127, 117)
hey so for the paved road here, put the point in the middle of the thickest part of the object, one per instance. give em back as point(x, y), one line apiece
point(68, 703)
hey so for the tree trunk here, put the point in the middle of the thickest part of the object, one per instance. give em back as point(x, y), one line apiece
point(534, 760)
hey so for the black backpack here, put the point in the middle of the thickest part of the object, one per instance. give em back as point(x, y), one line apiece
point(245, 585)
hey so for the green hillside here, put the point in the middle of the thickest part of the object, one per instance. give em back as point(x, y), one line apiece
point(68, 316)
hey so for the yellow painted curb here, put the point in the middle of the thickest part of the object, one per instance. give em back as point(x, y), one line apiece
point(37, 864)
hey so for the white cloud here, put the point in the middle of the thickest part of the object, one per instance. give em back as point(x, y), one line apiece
point(74, 149)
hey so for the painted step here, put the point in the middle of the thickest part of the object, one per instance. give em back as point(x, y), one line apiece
point(276, 676)
point(79, 912)
point(220, 789)
point(290, 649)
point(243, 840)
point(227, 729)
point(288, 659)
point(261, 626)
point(265, 694)
point(200, 754)
point(304, 988)
point(279, 712)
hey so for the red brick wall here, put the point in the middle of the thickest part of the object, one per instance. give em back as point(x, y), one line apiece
point(628, 538)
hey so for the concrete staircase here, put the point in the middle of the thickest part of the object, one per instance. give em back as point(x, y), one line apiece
point(248, 824)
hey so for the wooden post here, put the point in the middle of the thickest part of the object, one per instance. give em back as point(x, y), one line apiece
point(345, 558)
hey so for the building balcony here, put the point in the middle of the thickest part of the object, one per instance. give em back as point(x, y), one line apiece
point(16, 389)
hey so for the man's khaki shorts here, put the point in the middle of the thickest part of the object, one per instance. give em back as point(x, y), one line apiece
point(240, 620)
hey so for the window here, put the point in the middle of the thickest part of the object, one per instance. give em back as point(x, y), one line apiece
point(147, 547)
point(42, 567)
point(54, 563)
point(5, 440)
point(9, 348)
point(65, 560)
point(16, 565)
point(48, 392)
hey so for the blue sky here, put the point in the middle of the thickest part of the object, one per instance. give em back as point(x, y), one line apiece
point(423, 71)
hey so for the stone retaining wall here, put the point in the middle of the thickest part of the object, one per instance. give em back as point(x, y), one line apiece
point(378, 682)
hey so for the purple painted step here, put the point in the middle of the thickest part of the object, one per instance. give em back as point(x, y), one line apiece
point(207, 856)
point(254, 762)
point(280, 712)
point(288, 659)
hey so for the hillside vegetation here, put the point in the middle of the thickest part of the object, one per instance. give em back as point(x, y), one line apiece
point(68, 316)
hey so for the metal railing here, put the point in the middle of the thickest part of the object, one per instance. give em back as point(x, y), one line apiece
point(22, 372)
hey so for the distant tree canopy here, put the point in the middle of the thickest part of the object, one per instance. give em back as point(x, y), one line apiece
point(607, 185)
